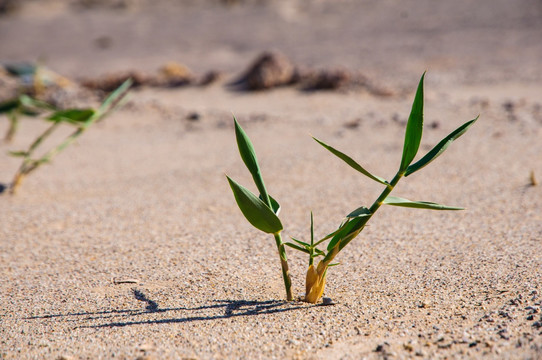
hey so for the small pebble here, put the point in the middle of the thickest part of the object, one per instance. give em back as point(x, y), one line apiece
point(327, 301)
point(193, 116)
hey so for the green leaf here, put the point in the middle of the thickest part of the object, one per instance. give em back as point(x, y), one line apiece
point(319, 252)
point(414, 128)
point(342, 233)
point(300, 242)
point(18, 153)
point(359, 212)
point(9, 105)
point(248, 154)
point(353, 233)
point(72, 116)
point(274, 204)
point(329, 236)
point(255, 210)
point(31, 103)
point(347, 159)
point(397, 201)
point(312, 230)
point(294, 246)
point(440, 147)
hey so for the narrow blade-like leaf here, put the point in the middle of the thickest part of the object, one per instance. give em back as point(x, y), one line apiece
point(347, 159)
point(72, 116)
point(9, 105)
point(248, 154)
point(414, 128)
point(329, 236)
point(312, 230)
point(302, 243)
point(397, 201)
point(348, 228)
point(359, 212)
point(255, 210)
point(319, 252)
point(440, 147)
point(294, 246)
point(18, 153)
point(31, 103)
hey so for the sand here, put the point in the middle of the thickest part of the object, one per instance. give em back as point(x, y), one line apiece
point(130, 245)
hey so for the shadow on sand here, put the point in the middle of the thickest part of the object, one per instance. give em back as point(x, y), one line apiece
point(231, 308)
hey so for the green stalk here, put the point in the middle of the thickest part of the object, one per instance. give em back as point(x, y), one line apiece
point(13, 117)
point(28, 164)
point(362, 221)
point(284, 264)
point(386, 192)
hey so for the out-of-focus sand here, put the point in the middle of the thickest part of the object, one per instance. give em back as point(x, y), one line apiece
point(143, 195)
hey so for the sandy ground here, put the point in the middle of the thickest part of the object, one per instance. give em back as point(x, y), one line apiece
point(143, 195)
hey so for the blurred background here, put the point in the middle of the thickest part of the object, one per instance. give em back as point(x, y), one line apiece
point(461, 41)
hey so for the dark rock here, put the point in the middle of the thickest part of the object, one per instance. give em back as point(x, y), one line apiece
point(269, 70)
point(327, 79)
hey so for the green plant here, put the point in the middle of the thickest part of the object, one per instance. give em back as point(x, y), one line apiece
point(19, 106)
point(260, 212)
point(82, 119)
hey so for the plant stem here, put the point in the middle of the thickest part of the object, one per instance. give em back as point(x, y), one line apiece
point(362, 221)
point(28, 164)
point(386, 192)
point(284, 265)
point(13, 117)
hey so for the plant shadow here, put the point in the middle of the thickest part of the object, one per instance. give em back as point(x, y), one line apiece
point(210, 312)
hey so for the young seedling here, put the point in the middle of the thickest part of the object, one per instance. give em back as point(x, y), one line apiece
point(261, 211)
point(82, 119)
point(356, 220)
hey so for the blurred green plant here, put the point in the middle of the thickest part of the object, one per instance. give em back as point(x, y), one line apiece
point(23, 105)
point(82, 119)
point(260, 211)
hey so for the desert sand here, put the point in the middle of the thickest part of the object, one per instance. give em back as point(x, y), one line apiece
point(129, 245)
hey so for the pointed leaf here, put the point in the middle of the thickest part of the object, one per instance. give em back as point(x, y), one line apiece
point(346, 229)
point(347, 159)
point(18, 153)
point(9, 105)
point(312, 230)
point(355, 232)
point(29, 102)
point(397, 201)
point(300, 242)
point(319, 252)
point(255, 210)
point(440, 147)
point(359, 212)
point(294, 246)
point(414, 128)
point(72, 116)
point(329, 236)
point(248, 154)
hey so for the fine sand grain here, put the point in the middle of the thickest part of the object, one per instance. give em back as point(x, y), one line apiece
point(129, 245)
